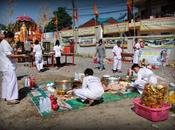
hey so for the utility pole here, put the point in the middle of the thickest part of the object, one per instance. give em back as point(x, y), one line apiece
point(73, 26)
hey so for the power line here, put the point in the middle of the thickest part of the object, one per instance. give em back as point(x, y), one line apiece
point(99, 7)
point(106, 12)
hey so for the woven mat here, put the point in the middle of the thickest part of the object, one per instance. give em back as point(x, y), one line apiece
point(75, 104)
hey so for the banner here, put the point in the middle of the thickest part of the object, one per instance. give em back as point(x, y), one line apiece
point(86, 31)
point(49, 35)
point(114, 28)
point(158, 24)
point(154, 55)
point(67, 33)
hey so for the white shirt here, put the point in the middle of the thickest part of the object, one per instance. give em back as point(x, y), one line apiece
point(137, 46)
point(144, 76)
point(37, 50)
point(93, 84)
point(117, 50)
point(57, 50)
point(6, 63)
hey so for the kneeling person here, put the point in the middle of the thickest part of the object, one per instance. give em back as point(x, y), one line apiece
point(91, 88)
point(144, 76)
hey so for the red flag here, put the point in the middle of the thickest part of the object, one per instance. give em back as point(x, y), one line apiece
point(130, 9)
point(130, 6)
point(57, 36)
point(56, 21)
point(75, 14)
point(96, 13)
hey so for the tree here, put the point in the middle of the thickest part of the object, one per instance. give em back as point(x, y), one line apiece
point(44, 15)
point(60, 20)
point(2, 27)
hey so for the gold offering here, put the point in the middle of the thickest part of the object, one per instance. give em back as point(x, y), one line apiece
point(60, 92)
point(154, 95)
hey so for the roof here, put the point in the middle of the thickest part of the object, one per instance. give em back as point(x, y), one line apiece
point(90, 23)
point(103, 21)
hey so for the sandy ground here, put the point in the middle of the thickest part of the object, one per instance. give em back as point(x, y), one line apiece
point(107, 116)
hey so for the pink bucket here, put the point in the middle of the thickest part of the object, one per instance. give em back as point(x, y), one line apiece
point(153, 114)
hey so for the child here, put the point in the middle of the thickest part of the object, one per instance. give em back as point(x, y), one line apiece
point(117, 58)
point(92, 88)
point(57, 48)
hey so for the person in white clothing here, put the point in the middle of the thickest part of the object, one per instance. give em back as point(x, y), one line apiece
point(8, 69)
point(92, 88)
point(37, 51)
point(137, 51)
point(144, 76)
point(57, 49)
point(117, 57)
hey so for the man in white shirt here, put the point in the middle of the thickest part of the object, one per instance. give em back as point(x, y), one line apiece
point(144, 76)
point(137, 48)
point(8, 68)
point(37, 50)
point(117, 57)
point(91, 89)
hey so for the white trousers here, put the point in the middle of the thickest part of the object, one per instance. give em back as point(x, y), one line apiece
point(117, 63)
point(39, 62)
point(136, 57)
point(9, 85)
point(87, 94)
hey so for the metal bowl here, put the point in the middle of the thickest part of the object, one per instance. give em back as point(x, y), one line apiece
point(63, 85)
point(113, 79)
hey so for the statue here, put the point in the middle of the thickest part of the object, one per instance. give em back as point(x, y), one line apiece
point(23, 33)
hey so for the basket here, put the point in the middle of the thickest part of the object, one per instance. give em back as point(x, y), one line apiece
point(153, 114)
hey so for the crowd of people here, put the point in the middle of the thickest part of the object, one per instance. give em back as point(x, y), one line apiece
point(92, 88)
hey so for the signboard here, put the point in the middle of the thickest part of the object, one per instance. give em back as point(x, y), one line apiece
point(67, 33)
point(49, 35)
point(86, 31)
point(158, 24)
point(114, 28)
point(153, 55)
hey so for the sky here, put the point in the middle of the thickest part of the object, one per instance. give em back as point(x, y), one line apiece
point(11, 9)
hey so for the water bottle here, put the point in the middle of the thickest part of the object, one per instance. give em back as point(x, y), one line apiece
point(26, 82)
point(48, 105)
point(45, 105)
point(76, 76)
point(41, 107)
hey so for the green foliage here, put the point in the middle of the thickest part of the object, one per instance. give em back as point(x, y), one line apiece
point(64, 20)
point(2, 27)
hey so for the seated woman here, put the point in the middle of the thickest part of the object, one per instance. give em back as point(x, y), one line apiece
point(91, 88)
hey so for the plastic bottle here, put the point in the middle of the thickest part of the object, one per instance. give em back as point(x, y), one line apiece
point(29, 81)
point(41, 107)
point(45, 105)
point(26, 82)
point(76, 76)
point(48, 105)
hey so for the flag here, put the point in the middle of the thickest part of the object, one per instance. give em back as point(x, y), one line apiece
point(130, 9)
point(75, 14)
point(57, 36)
point(130, 5)
point(96, 13)
point(56, 21)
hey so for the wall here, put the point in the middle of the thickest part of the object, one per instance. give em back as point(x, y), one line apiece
point(152, 51)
